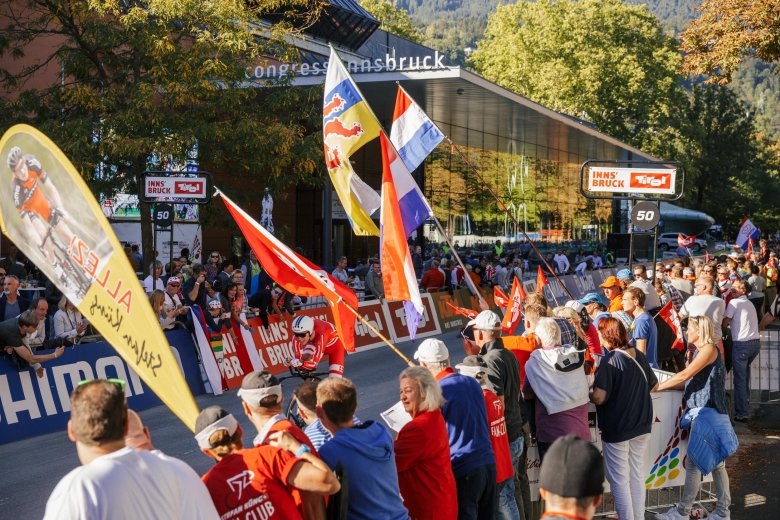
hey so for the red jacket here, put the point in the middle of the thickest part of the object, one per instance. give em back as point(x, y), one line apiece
point(433, 278)
point(422, 456)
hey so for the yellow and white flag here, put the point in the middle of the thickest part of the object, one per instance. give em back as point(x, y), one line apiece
point(49, 212)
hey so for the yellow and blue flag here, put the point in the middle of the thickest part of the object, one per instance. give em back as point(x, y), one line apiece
point(348, 124)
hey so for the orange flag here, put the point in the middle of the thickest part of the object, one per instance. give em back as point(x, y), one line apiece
point(296, 274)
point(541, 280)
point(514, 311)
point(501, 299)
point(470, 314)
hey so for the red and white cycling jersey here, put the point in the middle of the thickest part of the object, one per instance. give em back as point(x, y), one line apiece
point(325, 341)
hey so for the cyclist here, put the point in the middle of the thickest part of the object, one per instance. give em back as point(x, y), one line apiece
point(313, 338)
point(41, 209)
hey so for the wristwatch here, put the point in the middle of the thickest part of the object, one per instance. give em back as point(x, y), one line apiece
point(303, 449)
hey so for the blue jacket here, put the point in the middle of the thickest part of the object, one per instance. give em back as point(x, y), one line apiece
point(366, 454)
point(467, 426)
point(712, 438)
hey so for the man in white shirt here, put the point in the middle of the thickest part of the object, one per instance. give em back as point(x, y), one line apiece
point(652, 301)
point(562, 264)
point(703, 303)
point(741, 316)
point(156, 268)
point(115, 481)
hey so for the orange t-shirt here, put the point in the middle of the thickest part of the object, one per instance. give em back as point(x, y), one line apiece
point(521, 347)
point(616, 303)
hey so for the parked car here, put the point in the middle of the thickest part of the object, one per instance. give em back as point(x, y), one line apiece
point(667, 241)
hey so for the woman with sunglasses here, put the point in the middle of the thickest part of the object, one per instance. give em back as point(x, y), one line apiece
point(213, 265)
point(166, 314)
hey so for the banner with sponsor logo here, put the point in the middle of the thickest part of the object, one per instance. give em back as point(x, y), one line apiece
point(31, 406)
point(57, 223)
point(666, 450)
point(632, 180)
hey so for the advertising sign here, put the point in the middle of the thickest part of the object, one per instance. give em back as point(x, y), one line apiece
point(428, 325)
point(163, 188)
point(650, 181)
point(31, 406)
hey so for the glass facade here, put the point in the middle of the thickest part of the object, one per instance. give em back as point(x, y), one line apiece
point(538, 184)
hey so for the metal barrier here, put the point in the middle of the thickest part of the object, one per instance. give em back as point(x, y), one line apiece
point(658, 500)
point(764, 371)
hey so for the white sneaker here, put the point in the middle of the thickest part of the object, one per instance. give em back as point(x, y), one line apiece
point(672, 514)
point(715, 516)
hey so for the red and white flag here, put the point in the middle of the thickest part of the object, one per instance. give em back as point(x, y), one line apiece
point(514, 311)
point(541, 280)
point(685, 241)
point(750, 245)
point(468, 313)
point(707, 256)
point(501, 299)
point(296, 274)
point(671, 318)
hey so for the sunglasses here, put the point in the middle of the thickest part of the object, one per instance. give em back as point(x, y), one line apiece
point(213, 256)
point(301, 334)
point(118, 382)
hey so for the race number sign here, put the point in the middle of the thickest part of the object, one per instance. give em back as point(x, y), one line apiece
point(649, 181)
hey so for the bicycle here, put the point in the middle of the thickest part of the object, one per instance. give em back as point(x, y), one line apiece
point(291, 412)
point(68, 271)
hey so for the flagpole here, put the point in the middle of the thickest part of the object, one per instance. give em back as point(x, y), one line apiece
point(483, 305)
point(379, 334)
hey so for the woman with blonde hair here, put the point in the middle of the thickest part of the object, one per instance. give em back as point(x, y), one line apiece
point(68, 321)
point(422, 449)
point(166, 317)
point(711, 434)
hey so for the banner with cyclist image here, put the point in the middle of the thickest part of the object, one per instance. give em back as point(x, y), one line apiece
point(49, 212)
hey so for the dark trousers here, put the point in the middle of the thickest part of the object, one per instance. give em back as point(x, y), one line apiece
point(477, 494)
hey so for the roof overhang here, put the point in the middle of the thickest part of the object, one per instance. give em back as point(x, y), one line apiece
point(464, 102)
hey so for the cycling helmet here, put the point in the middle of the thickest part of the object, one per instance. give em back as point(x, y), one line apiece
point(14, 157)
point(303, 324)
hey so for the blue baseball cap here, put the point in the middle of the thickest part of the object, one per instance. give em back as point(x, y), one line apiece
point(624, 274)
point(593, 298)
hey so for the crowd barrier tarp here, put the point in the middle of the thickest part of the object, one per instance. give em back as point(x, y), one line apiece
point(666, 451)
point(31, 406)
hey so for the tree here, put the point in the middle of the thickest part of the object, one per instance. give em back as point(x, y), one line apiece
point(133, 80)
point(394, 19)
point(601, 60)
point(728, 32)
point(728, 171)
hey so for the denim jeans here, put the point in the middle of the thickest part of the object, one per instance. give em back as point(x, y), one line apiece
point(626, 473)
point(477, 494)
point(507, 505)
point(743, 353)
point(693, 486)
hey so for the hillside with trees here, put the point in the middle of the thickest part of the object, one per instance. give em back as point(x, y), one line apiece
point(452, 26)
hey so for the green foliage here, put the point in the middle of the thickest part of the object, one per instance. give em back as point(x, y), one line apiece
point(394, 19)
point(728, 172)
point(600, 60)
point(141, 78)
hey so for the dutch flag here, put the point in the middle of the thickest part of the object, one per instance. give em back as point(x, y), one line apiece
point(414, 136)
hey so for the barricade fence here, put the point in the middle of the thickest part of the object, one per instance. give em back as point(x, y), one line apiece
point(764, 380)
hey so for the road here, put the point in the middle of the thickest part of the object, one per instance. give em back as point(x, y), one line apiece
point(31, 468)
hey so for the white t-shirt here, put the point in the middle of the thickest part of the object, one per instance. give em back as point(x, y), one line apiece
point(652, 301)
point(706, 305)
point(148, 285)
point(744, 321)
point(128, 484)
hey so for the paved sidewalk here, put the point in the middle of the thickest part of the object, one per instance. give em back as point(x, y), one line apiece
point(754, 471)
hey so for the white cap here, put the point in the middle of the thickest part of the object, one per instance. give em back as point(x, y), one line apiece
point(432, 351)
point(215, 304)
point(486, 320)
point(577, 306)
point(687, 271)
